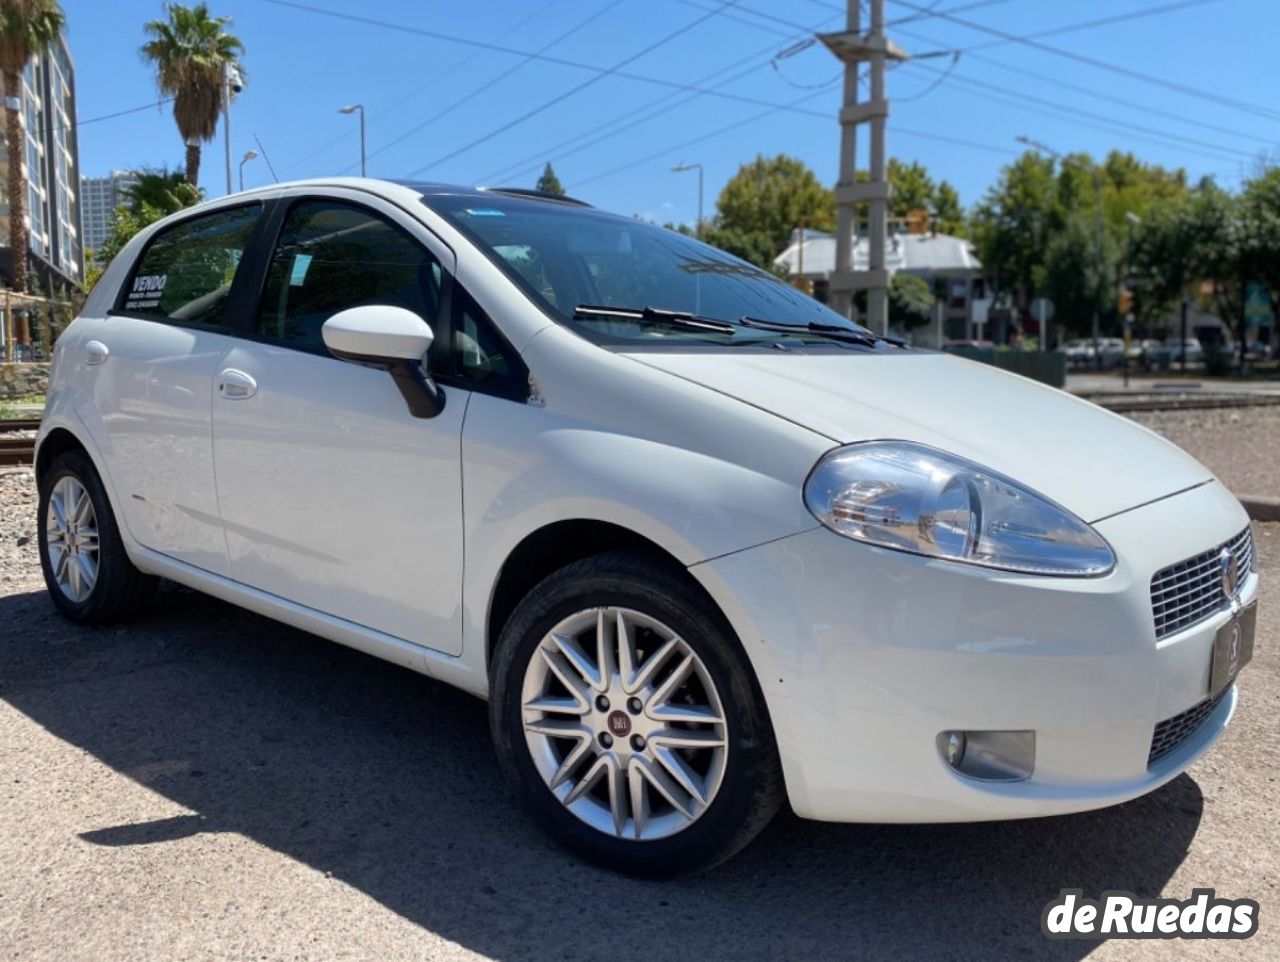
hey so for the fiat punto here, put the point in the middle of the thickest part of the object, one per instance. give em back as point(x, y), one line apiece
point(705, 545)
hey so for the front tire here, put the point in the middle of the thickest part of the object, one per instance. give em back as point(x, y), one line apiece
point(86, 569)
point(628, 721)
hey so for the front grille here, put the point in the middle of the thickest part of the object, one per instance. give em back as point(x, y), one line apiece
point(1172, 732)
point(1191, 590)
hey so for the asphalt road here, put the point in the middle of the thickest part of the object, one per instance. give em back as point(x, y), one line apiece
point(206, 784)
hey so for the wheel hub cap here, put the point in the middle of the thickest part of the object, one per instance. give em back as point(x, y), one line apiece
point(71, 537)
point(624, 723)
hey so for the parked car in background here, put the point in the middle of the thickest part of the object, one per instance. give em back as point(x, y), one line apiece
point(1192, 348)
point(1079, 352)
point(724, 549)
point(1111, 350)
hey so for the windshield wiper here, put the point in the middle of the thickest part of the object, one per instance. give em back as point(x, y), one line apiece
point(833, 331)
point(655, 315)
point(696, 322)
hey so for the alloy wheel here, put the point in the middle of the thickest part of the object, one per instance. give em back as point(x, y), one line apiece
point(71, 537)
point(624, 723)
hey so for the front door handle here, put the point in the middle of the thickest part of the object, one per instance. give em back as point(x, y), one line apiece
point(236, 385)
point(95, 352)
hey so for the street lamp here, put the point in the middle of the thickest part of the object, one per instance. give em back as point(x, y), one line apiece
point(248, 156)
point(681, 168)
point(232, 83)
point(351, 109)
point(1097, 226)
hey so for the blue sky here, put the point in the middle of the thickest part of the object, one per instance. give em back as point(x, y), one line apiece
point(303, 66)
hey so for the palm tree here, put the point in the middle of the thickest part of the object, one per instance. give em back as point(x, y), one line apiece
point(27, 27)
point(191, 51)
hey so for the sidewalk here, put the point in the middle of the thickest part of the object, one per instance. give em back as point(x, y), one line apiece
point(1112, 382)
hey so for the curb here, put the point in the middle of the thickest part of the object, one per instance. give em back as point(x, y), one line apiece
point(1260, 509)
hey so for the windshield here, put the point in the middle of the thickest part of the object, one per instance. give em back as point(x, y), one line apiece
point(566, 257)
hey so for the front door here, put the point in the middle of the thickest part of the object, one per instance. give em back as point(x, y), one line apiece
point(332, 494)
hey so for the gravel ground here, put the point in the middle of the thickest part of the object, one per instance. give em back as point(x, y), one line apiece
point(206, 784)
point(1240, 445)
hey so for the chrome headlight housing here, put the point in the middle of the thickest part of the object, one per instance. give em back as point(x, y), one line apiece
point(911, 497)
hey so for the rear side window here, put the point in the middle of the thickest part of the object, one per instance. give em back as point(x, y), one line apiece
point(332, 256)
point(185, 274)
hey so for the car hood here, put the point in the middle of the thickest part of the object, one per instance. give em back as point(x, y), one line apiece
point(1092, 462)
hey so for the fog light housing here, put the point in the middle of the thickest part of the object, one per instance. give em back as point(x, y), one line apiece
point(989, 756)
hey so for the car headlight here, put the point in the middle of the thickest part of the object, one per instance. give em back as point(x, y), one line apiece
point(910, 497)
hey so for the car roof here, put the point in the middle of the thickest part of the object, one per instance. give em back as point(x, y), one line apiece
point(390, 188)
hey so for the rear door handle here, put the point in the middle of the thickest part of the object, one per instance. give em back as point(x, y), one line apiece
point(235, 385)
point(95, 352)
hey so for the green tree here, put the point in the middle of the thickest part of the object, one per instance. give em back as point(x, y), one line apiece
point(910, 301)
point(947, 212)
point(549, 183)
point(1260, 207)
point(190, 51)
point(1012, 224)
point(1037, 197)
point(913, 188)
point(157, 194)
point(27, 27)
point(1071, 277)
point(763, 203)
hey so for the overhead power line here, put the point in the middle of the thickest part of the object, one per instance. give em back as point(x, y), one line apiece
point(1091, 118)
point(599, 132)
point(795, 108)
point(493, 81)
point(1114, 68)
point(572, 91)
point(1108, 97)
point(416, 91)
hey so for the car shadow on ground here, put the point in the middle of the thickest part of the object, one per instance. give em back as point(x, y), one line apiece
point(386, 780)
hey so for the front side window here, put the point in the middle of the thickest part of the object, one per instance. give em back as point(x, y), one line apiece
point(332, 256)
point(186, 272)
point(484, 357)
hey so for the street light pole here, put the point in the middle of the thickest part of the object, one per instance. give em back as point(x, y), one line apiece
point(351, 109)
point(681, 168)
point(248, 156)
point(232, 82)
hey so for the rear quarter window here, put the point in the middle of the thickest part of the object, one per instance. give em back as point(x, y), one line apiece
point(186, 272)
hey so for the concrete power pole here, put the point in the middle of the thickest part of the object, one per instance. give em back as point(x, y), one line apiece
point(852, 47)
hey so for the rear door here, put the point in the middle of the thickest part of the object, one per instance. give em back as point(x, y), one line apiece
point(332, 495)
point(156, 354)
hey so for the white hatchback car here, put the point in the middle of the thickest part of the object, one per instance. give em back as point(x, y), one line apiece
point(702, 543)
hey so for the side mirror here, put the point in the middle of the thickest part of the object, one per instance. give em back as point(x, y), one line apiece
point(392, 339)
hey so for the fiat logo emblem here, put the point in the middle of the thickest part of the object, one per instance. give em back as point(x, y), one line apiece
point(619, 723)
point(1227, 565)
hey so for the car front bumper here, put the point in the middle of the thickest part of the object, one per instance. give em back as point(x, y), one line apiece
point(865, 655)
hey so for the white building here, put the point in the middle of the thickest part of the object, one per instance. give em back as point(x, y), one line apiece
point(52, 164)
point(948, 264)
point(99, 197)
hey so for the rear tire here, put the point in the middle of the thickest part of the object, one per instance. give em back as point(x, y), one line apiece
point(633, 730)
point(86, 568)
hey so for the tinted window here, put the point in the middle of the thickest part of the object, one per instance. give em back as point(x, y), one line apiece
point(186, 273)
point(332, 256)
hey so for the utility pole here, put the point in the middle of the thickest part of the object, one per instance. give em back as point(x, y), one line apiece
point(852, 48)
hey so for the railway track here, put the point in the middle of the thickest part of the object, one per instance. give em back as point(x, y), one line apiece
point(17, 451)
